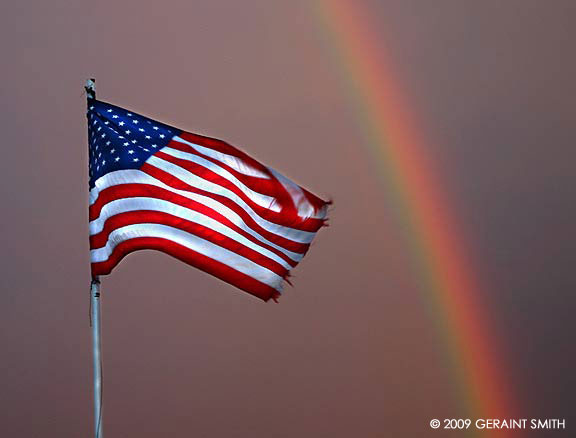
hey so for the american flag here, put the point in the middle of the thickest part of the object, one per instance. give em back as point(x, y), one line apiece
point(201, 200)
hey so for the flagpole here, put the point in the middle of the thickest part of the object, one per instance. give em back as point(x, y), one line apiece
point(90, 88)
point(96, 355)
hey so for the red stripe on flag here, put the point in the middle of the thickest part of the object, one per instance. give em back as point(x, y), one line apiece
point(268, 187)
point(186, 255)
point(287, 217)
point(145, 190)
point(225, 148)
point(177, 183)
point(126, 191)
point(222, 146)
point(155, 217)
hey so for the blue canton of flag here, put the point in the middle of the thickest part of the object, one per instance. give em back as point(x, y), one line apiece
point(120, 139)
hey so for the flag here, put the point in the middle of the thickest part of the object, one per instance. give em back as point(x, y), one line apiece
point(198, 199)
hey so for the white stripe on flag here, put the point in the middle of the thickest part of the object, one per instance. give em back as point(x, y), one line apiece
point(138, 177)
point(192, 242)
point(151, 204)
point(234, 162)
point(304, 206)
point(193, 180)
point(262, 200)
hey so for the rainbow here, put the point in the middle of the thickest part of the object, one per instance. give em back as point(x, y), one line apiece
point(436, 243)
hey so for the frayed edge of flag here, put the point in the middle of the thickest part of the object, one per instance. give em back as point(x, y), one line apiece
point(275, 296)
point(329, 206)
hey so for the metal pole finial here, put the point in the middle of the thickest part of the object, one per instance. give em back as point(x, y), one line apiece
point(90, 88)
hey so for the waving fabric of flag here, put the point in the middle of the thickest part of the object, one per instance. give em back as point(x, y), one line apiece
point(196, 198)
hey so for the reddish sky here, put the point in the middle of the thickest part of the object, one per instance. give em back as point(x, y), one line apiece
point(351, 350)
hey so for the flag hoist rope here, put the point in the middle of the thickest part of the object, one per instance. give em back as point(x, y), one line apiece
point(90, 88)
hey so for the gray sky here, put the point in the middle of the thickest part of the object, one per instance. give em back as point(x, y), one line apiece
point(351, 350)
